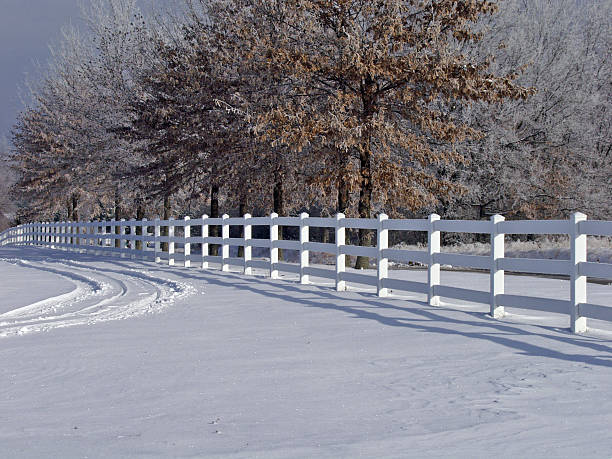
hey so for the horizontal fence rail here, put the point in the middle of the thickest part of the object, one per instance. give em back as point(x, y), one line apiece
point(157, 240)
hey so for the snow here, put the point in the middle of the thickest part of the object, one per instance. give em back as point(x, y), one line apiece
point(132, 359)
point(599, 248)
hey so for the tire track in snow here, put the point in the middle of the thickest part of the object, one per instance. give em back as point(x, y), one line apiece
point(100, 295)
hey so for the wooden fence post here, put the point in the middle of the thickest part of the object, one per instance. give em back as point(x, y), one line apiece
point(496, 274)
point(273, 249)
point(187, 245)
point(382, 265)
point(144, 235)
point(113, 231)
point(122, 240)
point(340, 231)
point(578, 283)
point(248, 250)
point(304, 252)
point(204, 242)
point(133, 239)
point(225, 234)
point(171, 241)
point(156, 241)
point(433, 268)
point(103, 236)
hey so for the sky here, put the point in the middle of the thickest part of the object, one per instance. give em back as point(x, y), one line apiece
point(27, 28)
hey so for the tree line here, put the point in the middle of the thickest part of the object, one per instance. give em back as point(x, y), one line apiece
point(462, 107)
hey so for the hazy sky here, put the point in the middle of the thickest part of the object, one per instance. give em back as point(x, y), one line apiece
point(26, 29)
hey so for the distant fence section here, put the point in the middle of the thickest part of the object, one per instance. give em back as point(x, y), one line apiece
point(143, 240)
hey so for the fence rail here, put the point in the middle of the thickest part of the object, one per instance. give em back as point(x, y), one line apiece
point(123, 238)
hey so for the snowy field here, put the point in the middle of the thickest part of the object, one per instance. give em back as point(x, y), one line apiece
point(108, 357)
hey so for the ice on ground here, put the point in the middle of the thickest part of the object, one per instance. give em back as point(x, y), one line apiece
point(234, 366)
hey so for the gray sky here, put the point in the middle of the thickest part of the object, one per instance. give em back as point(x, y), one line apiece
point(26, 29)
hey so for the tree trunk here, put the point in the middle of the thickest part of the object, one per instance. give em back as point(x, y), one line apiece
point(75, 203)
point(325, 235)
point(241, 212)
point(139, 216)
point(342, 206)
point(214, 213)
point(68, 209)
point(368, 89)
point(279, 207)
point(365, 203)
point(164, 230)
point(75, 214)
point(117, 216)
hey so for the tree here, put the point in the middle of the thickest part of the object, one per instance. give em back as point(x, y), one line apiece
point(65, 143)
point(375, 79)
point(548, 155)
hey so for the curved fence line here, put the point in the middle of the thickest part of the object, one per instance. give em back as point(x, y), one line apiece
point(143, 239)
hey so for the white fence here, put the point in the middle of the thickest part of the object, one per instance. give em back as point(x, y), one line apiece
point(111, 236)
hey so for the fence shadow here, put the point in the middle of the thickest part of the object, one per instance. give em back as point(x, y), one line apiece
point(416, 315)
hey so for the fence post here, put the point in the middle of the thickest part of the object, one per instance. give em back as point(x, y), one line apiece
point(340, 231)
point(171, 241)
point(225, 234)
point(204, 242)
point(122, 241)
point(578, 283)
point(187, 245)
point(496, 274)
point(304, 252)
point(103, 234)
point(112, 241)
point(248, 250)
point(156, 241)
point(108, 241)
point(133, 239)
point(96, 229)
point(144, 235)
point(273, 249)
point(382, 265)
point(433, 268)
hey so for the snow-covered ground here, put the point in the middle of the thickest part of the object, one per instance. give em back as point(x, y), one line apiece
point(599, 249)
point(211, 364)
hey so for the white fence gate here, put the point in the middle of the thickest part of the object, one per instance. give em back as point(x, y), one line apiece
point(100, 236)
